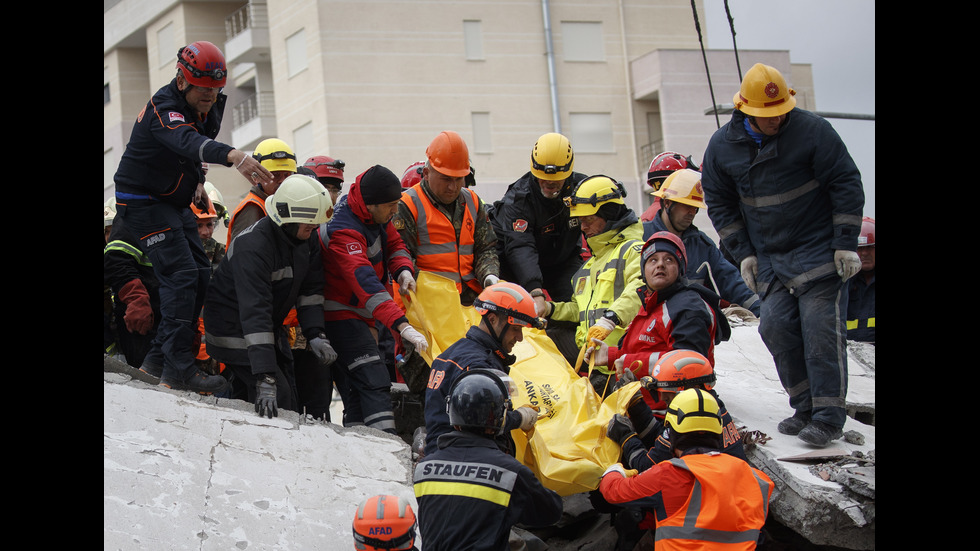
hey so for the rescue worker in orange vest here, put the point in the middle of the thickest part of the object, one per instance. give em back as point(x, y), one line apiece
point(445, 225)
point(276, 156)
point(709, 498)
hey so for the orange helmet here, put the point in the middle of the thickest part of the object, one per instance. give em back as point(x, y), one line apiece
point(449, 155)
point(384, 522)
point(678, 370)
point(204, 214)
point(202, 64)
point(511, 300)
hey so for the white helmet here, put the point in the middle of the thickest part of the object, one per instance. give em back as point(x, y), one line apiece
point(299, 200)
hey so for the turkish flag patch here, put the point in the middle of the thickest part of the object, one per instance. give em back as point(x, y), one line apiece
point(520, 225)
point(175, 116)
point(354, 248)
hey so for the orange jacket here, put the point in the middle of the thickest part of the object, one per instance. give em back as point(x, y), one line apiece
point(438, 250)
point(250, 198)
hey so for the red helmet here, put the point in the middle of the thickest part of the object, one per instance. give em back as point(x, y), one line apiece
point(384, 522)
point(413, 174)
point(511, 300)
point(679, 370)
point(326, 167)
point(202, 64)
point(664, 241)
point(867, 238)
point(665, 164)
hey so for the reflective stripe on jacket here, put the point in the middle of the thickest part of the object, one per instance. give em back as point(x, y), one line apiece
point(438, 249)
point(727, 507)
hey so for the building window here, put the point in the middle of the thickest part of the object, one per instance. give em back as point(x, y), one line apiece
point(481, 133)
point(166, 50)
point(105, 94)
point(296, 52)
point(591, 132)
point(582, 41)
point(473, 37)
point(303, 142)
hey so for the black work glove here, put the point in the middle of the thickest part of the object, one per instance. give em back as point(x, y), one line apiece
point(265, 397)
point(620, 428)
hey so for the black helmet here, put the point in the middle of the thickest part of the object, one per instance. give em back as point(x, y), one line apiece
point(479, 400)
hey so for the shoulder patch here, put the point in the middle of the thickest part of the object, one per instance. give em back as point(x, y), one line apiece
point(520, 225)
point(398, 223)
point(354, 248)
point(175, 116)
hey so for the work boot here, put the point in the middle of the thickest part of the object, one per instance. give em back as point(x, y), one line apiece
point(820, 434)
point(199, 382)
point(793, 425)
point(151, 369)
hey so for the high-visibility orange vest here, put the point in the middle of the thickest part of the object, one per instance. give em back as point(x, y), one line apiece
point(437, 248)
point(250, 198)
point(726, 510)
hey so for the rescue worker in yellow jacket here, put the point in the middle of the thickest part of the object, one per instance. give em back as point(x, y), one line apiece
point(445, 225)
point(604, 290)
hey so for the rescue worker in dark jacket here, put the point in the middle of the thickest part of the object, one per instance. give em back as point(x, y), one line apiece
point(507, 309)
point(539, 244)
point(787, 198)
point(159, 175)
point(271, 267)
point(681, 198)
point(470, 493)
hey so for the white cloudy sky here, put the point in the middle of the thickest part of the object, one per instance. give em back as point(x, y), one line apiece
point(836, 36)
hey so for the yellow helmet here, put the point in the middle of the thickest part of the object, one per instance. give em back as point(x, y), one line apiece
point(593, 192)
point(683, 186)
point(764, 93)
point(274, 154)
point(694, 410)
point(552, 157)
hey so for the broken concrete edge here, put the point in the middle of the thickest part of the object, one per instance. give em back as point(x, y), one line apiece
point(823, 512)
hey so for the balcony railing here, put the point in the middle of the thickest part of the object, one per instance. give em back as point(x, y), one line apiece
point(256, 105)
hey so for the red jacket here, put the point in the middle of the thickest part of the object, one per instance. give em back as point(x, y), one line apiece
point(682, 316)
point(360, 258)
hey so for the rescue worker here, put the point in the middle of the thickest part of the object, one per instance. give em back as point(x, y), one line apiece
point(276, 156)
point(218, 201)
point(362, 252)
point(330, 173)
point(129, 274)
point(787, 198)
point(604, 299)
point(384, 523)
point(470, 493)
point(861, 289)
point(539, 245)
point(681, 197)
point(445, 225)
point(674, 372)
point(661, 167)
point(506, 309)
point(207, 219)
point(271, 267)
point(675, 314)
point(709, 499)
point(159, 175)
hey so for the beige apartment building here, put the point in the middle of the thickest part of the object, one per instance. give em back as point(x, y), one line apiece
point(373, 81)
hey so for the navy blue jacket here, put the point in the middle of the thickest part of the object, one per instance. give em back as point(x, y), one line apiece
point(470, 494)
point(792, 201)
point(535, 233)
point(700, 249)
point(263, 276)
point(167, 146)
point(476, 350)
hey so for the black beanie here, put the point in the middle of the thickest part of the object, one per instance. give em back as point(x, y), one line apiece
point(379, 186)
